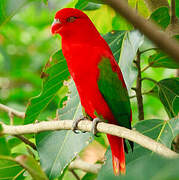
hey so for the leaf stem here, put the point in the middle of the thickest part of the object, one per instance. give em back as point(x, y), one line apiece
point(150, 79)
point(146, 50)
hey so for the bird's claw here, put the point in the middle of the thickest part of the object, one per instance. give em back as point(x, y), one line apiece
point(75, 125)
point(94, 126)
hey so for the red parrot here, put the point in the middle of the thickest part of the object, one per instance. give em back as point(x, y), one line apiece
point(97, 76)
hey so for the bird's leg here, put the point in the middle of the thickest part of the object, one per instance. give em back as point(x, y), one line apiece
point(94, 126)
point(75, 124)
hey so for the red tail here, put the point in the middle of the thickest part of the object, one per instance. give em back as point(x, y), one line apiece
point(118, 154)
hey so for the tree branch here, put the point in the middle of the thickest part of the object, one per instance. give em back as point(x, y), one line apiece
point(174, 19)
point(150, 30)
point(86, 125)
point(139, 90)
point(12, 111)
point(87, 167)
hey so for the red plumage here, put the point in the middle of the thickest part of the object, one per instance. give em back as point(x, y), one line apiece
point(83, 48)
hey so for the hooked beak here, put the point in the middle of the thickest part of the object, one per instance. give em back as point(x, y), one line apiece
point(56, 25)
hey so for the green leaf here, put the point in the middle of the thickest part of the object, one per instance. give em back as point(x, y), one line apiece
point(162, 131)
point(56, 71)
point(177, 8)
point(160, 59)
point(10, 169)
point(141, 7)
point(62, 146)
point(4, 147)
point(120, 23)
point(45, 2)
point(86, 5)
point(132, 41)
point(148, 167)
point(161, 17)
point(89, 176)
point(1, 128)
point(8, 8)
point(168, 92)
point(31, 165)
point(114, 40)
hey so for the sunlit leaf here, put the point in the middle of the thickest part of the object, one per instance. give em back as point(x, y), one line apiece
point(56, 71)
point(141, 7)
point(160, 59)
point(120, 23)
point(62, 146)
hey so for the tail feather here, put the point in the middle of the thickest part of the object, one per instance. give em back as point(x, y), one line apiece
point(118, 154)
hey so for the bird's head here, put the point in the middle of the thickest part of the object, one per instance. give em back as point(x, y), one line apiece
point(67, 19)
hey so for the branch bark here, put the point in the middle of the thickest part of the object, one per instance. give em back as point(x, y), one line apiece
point(138, 89)
point(87, 167)
point(12, 111)
point(150, 30)
point(86, 125)
point(174, 19)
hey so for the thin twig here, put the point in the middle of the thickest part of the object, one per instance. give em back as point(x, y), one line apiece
point(26, 141)
point(139, 90)
point(12, 111)
point(146, 67)
point(75, 174)
point(149, 79)
point(86, 125)
point(146, 50)
point(144, 93)
point(149, 29)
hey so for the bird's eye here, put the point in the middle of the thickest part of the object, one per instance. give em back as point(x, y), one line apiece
point(71, 19)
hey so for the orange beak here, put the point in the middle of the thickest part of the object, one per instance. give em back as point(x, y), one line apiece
point(56, 25)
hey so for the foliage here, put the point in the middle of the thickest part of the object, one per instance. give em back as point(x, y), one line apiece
point(45, 92)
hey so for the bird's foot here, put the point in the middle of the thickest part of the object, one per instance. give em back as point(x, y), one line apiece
point(75, 125)
point(94, 126)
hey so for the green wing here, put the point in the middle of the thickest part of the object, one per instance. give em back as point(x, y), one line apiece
point(114, 93)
